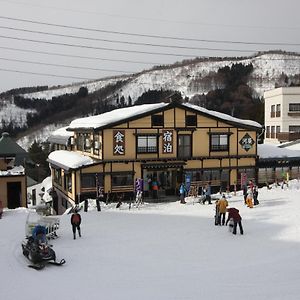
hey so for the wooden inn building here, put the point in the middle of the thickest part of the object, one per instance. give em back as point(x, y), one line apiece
point(167, 142)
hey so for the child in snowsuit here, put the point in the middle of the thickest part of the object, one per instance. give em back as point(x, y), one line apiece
point(255, 195)
point(237, 219)
point(249, 200)
point(76, 221)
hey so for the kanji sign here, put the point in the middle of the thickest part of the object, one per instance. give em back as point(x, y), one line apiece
point(167, 138)
point(119, 142)
point(247, 142)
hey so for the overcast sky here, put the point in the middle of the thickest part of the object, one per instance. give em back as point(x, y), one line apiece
point(76, 40)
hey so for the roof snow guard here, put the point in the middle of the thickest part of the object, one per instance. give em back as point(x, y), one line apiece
point(69, 160)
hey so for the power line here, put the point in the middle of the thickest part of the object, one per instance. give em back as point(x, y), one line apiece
point(79, 56)
point(106, 40)
point(64, 66)
point(150, 35)
point(45, 74)
point(118, 50)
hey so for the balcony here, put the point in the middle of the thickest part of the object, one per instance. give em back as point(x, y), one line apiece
point(288, 136)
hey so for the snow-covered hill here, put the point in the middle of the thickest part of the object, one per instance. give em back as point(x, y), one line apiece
point(187, 79)
point(164, 252)
point(190, 78)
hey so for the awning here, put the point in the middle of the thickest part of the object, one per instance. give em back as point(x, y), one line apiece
point(167, 165)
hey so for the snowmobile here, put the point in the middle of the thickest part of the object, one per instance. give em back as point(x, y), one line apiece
point(38, 251)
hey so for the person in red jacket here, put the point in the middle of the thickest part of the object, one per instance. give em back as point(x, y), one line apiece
point(233, 213)
point(76, 221)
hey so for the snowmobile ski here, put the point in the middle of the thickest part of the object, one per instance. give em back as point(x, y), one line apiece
point(37, 266)
point(56, 263)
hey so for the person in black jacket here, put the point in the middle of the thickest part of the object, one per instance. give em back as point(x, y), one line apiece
point(76, 221)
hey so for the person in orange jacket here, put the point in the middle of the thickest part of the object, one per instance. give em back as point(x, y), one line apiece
point(221, 208)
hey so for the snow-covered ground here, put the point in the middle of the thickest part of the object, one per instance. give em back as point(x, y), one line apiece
point(163, 251)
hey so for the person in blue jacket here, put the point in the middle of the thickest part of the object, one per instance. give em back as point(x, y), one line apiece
point(182, 192)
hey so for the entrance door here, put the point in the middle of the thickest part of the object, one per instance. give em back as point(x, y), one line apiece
point(13, 194)
point(167, 180)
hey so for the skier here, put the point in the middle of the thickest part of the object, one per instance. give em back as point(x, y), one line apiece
point(237, 219)
point(221, 207)
point(207, 194)
point(76, 221)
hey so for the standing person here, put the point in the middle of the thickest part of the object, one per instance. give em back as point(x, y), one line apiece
point(255, 195)
point(207, 194)
point(222, 208)
point(245, 193)
point(249, 200)
point(76, 221)
point(149, 181)
point(182, 191)
point(155, 188)
point(233, 213)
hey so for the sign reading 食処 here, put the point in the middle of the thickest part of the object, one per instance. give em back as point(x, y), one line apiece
point(119, 142)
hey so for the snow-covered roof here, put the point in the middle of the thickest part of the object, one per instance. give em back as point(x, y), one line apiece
point(69, 160)
point(122, 114)
point(273, 151)
point(60, 136)
point(18, 170)
point(223, 116)
point(114, 116)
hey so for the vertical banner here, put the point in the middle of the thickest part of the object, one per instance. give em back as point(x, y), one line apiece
point(119, 142)
point(244, 179)
point(167, 141)
point(139, 185)
point(187, 182)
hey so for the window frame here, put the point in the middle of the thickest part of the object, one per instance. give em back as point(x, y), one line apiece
point(218, 147)
point(185, 150)
point(148, 148)
point(191, 120)
point(157, 120)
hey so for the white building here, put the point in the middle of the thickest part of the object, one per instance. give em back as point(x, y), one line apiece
point(282, 114)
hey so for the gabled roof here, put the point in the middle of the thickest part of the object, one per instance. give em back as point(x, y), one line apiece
point(121, 115)
point(69, 160)
point(8, 147)
point(60, 136)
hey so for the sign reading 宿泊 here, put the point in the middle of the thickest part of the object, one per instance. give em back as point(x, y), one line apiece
point(247, 142)
point(119, 142)
point(167, 138)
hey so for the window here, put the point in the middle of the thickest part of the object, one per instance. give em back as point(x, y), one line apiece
point(293, 128)
point(219, 142)
point(157, 120)
point(68, 182)
point(272, 111)
point(122, 179)
point(278, 110)
point(146, 144)
point(83, 142)
point(89, 180)
point(272, 132)
point(184, 146)
point(267, 131)
point(57, 176)
point(294, 107)
point(277, 130)
point(191, 120)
